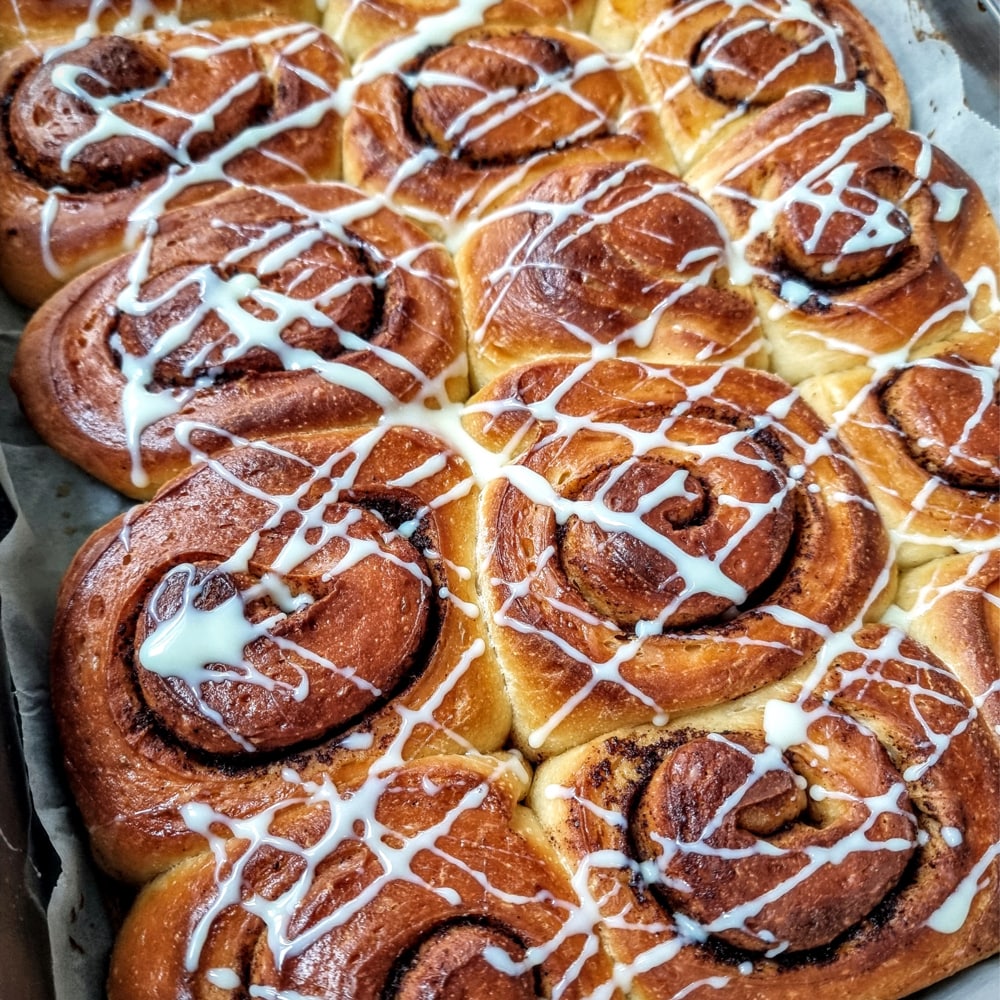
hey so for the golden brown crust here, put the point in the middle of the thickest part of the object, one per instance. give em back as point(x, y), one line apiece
point(754, 540)
point(603, 259)
point(305, 307)
point(423, 134)
point(254, 103)
point(292, 554)
point(41, 21)
point(862, 239)
point(952, 605)
point(360, 25)
point(926, 438)
point(481, 879)
point(711, 68)
point(255, 674)
point(861, 879)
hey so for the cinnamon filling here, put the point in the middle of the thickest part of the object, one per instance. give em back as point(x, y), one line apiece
point(232, 660)
point(115, 111)
point(502, 99)
point(948, 413)
point(222, 322)
point(752, 61)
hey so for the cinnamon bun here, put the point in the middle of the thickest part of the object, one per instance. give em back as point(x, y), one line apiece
point(664, 538)
point(860, 238)
point(795, 841)
point(711, 67)
point(926, 438)
point(229, 635)
point(257, 313)
point(101, 135)
point(459, 127)
point(604, 259)
point(459, 895)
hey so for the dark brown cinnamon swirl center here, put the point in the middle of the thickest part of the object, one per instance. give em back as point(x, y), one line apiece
point(748, 60)
point(678, 542)
point(501, 99)
point(771, 851)
point(303, 299)
point(845, 228)
point(465, 960)
point(114, 111)
point(263, 658)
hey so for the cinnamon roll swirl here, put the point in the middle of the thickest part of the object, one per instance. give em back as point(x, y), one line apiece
point(666, 538)
point(861, 238)
point(258, 313)
point(926, 438)
point(461, 126)
point(712, 67)
point(791, 843)
point(101, 135)
point(229, 635)
point(604, 259)
point(459, 895)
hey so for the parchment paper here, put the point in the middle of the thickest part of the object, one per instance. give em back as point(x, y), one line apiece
point(58, 506)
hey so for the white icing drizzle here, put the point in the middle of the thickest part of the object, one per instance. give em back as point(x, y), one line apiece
point(493, 110)
point(192, 640)
point(962, 585)
point(50, 210)
point(225, 979)
point(185, 645)
point(575, 219)
point(186, 172)
point(669, 70)
point(966, 530)
point(953, 914)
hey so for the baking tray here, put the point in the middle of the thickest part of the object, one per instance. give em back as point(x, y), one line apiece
point(971, 27)
point(29, 866)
